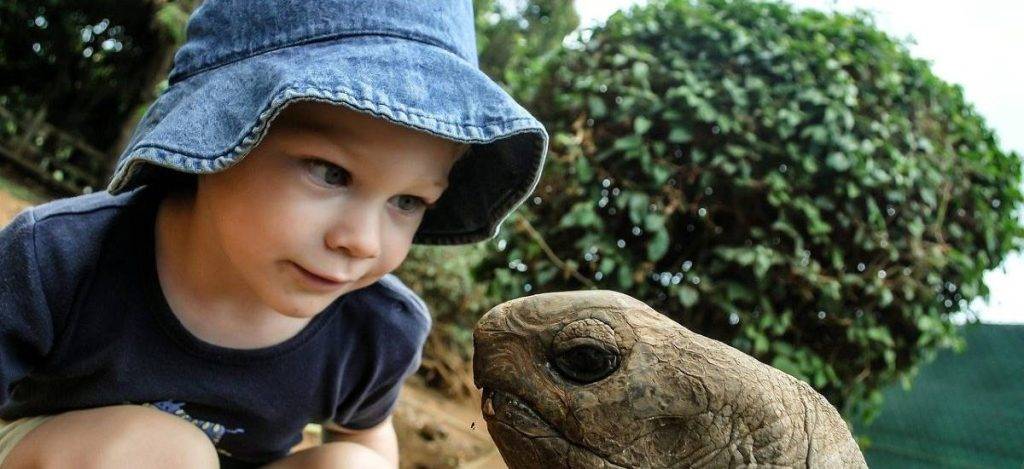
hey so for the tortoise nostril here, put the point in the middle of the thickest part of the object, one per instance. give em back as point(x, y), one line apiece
point(585, 364)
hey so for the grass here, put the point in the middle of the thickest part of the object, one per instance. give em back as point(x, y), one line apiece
point(19, 192)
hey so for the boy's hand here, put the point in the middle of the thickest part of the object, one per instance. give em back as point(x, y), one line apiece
point(381, 439)
point(375, 447)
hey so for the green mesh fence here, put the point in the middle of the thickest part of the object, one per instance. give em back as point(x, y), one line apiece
point(963, 410)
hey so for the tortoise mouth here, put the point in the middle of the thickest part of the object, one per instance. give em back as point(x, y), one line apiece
point(507, 408)
point(526, 440)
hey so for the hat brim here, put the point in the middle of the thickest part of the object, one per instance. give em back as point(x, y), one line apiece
point(207, 122)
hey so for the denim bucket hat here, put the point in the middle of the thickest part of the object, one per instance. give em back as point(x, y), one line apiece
point(413, 63)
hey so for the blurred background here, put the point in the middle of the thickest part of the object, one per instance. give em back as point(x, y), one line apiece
point(833, 187)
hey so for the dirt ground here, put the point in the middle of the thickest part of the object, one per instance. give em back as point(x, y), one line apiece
point(9, 206)
point(434, 432)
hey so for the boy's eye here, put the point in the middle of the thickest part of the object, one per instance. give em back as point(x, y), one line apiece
point(330, 174)
point(409, 203)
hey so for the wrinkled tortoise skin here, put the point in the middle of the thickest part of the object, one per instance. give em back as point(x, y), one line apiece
point(670, 397)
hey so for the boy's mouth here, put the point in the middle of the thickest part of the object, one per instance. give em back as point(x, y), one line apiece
point(318, 280)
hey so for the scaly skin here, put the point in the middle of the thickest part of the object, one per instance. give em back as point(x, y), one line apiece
point(676, 398)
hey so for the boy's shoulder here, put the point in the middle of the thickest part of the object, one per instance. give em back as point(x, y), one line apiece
point(389, 293)
point(83, 205)
point(74, 230)
point(58, 245)
point(389, 306)
point(392, 287)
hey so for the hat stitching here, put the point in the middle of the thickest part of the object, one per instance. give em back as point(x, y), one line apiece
point(216, 162)
point(241, 54)
point(350, 99)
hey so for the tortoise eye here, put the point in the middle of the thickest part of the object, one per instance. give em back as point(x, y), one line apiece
point(586, 363)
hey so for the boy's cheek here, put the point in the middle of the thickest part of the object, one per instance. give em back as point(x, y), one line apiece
point(400, 252)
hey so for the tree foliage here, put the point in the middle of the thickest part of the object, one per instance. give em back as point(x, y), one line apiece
point(514, 39)
point(789, 182)
point(79, 62)
point(89, 69)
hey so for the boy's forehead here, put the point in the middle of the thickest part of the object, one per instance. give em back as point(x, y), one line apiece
point(318, 117)
point(330, 121)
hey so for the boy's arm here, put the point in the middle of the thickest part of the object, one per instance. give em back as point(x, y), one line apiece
point(27, 331)
point(397, 331)
point(380, 438)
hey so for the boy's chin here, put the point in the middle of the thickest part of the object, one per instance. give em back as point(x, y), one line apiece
point(300, 303)
point(308, 306)
point(301, 312)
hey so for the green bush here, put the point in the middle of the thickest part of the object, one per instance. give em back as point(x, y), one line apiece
point(789, 182)
point(442, 275)
point(513, 38)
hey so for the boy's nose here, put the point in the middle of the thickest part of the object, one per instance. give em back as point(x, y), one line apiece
point(356, 233)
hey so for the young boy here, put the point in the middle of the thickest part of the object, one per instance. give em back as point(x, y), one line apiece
point(232, 286)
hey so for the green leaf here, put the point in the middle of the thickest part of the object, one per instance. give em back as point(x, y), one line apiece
point(641, 125)
point(637, 206)
point(679, 135)
point(746, 256)
point(625, 275)
point(760, 344)
point(880, 334)
point(654, 221)
point(763, 261)
point(546, 275)
point(583, 170)
point(631, 142)
point(787, 365)
point(658, 246)
point(837, 161)
point(597, 107)
point(582, 214)
point(687, 295)
point(172, 19)
point(887, 298)
point(640, 70)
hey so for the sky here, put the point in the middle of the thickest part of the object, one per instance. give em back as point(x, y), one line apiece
point(971, 44)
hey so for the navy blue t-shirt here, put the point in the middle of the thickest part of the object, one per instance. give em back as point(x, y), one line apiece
point(84, 323)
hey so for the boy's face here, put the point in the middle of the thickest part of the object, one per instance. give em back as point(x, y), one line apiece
point(327, 203)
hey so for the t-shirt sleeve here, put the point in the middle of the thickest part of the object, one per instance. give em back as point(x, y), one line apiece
point(382, 401)
point(26, 323)
point(397, 343)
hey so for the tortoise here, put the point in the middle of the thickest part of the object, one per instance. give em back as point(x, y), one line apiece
point(598, 379)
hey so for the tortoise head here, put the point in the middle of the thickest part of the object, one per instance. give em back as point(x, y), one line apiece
point(572, 376)
point(599, 379)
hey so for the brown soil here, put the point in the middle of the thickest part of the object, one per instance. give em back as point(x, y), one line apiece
point(9, 207)
point(434, 431)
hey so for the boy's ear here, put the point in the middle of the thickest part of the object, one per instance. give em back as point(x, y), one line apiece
point(177, 181)
point(462, 150)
